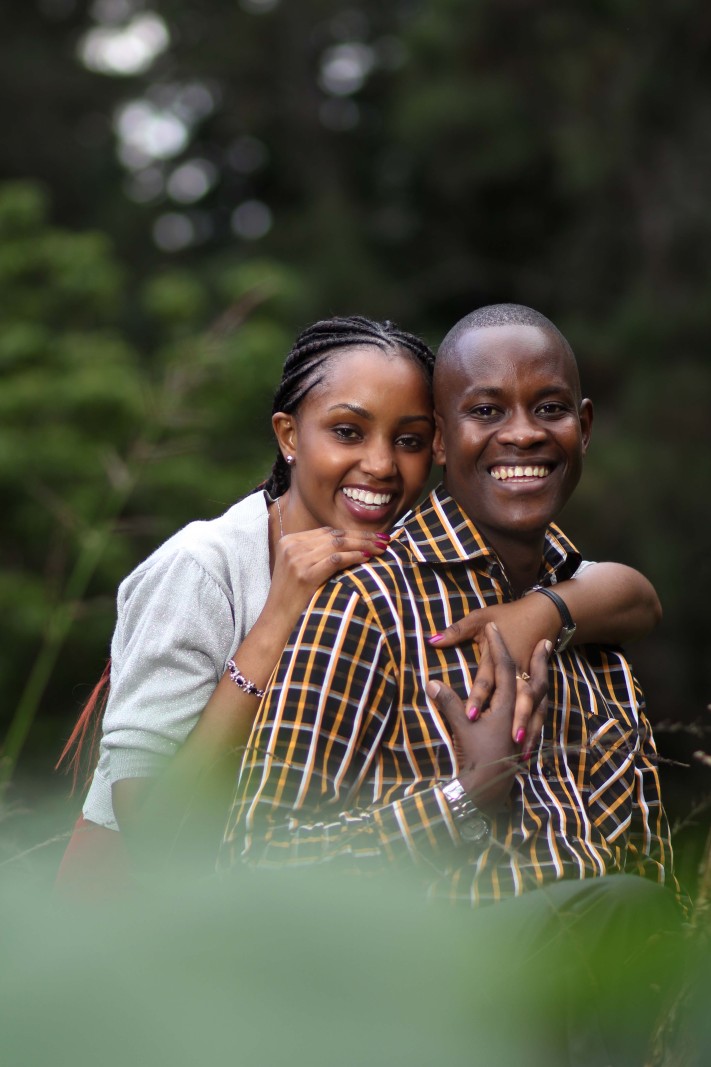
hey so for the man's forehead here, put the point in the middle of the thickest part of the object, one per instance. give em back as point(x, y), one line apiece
point(477, 341)
point(486, 356)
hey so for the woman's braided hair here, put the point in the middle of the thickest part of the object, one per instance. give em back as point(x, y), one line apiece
point(300, 374)
point(313, 347)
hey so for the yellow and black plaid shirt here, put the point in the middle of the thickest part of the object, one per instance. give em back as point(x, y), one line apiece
point(347, 757)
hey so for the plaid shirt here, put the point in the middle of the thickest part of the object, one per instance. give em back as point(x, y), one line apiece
point(348, 755)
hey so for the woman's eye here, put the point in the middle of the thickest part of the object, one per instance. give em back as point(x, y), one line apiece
point(346, 433)
point(412, 442)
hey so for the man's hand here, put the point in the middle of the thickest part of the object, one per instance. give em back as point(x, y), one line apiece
point(488, 762)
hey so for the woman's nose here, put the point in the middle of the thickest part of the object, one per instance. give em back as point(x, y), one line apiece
point(379, 460)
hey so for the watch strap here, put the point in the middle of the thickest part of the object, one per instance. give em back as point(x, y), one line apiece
point(568, 627)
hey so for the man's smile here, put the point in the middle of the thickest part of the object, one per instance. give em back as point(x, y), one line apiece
point(503, 472)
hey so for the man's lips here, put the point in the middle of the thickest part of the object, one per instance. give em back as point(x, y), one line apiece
point(503, 472)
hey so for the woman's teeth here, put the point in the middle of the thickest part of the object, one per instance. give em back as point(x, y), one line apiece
point(366, 498)
point(502, 473)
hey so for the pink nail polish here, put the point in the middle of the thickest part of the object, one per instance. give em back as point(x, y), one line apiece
point(367, 555)
point(383, 537)
point(472, 714)
point(434, 639)
point(527, 756)
point(520, 734)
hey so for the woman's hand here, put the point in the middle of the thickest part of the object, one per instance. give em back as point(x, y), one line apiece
point(522, 625)
point(304, 561)
point(485, 741)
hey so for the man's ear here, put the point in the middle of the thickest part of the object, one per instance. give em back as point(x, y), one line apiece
point(285, 431)
point(438, 451)
point(586, 421)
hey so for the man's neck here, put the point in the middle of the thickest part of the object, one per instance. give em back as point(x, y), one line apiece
point(520, 558)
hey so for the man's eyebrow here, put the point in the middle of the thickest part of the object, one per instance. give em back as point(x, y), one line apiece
point(495, 391)
point(356, 409)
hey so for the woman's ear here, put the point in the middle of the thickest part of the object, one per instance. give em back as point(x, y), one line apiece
point(285, 431)
point(438, 451)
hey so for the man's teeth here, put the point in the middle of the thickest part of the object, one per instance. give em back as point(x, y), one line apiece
point(368, 499)
point(502, 473)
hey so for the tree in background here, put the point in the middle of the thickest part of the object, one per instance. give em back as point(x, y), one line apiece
point(107, 444)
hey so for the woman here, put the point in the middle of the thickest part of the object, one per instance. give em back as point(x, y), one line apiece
point(202, 622)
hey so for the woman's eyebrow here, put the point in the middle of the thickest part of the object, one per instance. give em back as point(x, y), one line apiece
point(356, 409)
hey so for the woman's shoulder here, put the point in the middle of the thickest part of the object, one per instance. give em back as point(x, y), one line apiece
point(217, 547)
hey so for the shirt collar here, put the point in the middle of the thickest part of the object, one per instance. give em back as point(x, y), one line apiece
point(439, 531)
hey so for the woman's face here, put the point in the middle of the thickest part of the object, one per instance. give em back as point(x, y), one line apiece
point(361, 441)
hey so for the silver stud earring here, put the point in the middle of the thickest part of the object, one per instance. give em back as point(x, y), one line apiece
point(289, 460)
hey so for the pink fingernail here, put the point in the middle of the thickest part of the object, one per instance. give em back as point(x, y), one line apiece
point(527, 755)
point(383, 537)
point(367, 555)
point(472, 714)
point(434, 639)
point(520, 734)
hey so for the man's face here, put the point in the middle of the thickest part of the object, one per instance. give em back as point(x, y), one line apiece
point(511, 429)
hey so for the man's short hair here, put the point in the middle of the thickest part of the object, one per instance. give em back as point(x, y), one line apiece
point(499, 315)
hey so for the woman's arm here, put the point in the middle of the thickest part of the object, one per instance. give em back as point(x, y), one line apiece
point(181, 813)
point(609, 602)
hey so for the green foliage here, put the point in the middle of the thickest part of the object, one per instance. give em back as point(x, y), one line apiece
point(105, 446)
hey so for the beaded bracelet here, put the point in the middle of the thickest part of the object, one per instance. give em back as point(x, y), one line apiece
point(244, 683)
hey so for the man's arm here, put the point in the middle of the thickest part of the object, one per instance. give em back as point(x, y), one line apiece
point(316, 783)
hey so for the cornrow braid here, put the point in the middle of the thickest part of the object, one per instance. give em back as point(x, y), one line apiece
point(313, 347)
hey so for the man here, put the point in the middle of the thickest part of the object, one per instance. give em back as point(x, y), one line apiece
point(352, 759)
point(365, 755)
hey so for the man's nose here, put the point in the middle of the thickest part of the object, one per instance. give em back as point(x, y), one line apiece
point(522, 429)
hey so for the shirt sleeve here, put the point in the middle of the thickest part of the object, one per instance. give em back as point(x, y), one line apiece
point(649, 848)
point(168, 653)
point(317, 745)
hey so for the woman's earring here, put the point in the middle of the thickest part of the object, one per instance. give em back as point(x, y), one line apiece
point(289, 460)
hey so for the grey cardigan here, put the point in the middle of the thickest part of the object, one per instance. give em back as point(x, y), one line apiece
point(180, 616)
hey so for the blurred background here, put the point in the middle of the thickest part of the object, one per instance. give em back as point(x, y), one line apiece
point(184, 186)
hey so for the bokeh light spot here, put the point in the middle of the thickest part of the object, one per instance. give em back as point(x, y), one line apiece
point(251, 220)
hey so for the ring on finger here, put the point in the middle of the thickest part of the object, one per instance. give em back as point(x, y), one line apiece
point(524, 676)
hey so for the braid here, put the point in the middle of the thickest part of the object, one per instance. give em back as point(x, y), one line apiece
point(313, 347)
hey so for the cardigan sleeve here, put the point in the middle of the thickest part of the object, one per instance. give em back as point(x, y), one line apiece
point(172, 639)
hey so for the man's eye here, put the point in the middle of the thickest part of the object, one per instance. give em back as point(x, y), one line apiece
point(484, 411)
point(553, 408)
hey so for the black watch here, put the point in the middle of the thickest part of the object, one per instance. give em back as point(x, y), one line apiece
point(568, 628)
point(472, 824)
